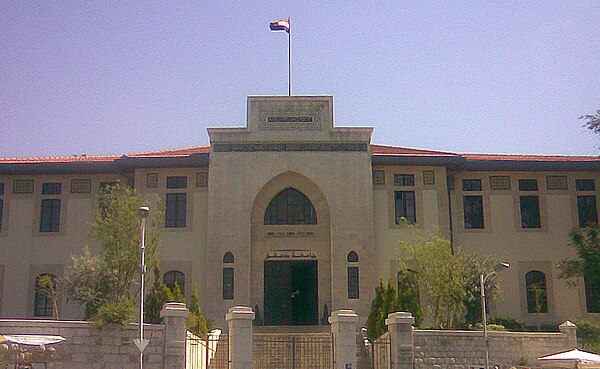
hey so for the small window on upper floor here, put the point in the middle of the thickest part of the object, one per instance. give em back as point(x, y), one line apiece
point(471, 184)
point(528, 185)
point(1, 188)
point(404, 179)
point(108, 186)
point(289, 207)
point(177, 182)
point(585, 185)
point(51, 188)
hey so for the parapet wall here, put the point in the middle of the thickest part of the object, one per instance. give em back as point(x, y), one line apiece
point(86, 346)
point(466, 349)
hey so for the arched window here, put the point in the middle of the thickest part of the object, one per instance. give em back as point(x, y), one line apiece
point(45, 293)
point(228, 277)
point(290, 206)
point(228, 258)
point(537, 294)
point(352, 257)
point(353, 278)
point(173, 277)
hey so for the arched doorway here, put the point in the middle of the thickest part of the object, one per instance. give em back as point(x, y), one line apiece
point(290, 235)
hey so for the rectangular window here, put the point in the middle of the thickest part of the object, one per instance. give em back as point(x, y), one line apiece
point(556, 182)
point(176, 210)
point(471, 184)
point(1, 211)
point(201, 179)
point(107, 186)
point(81, 185)
point(405, 206)
point(353, 286)
point(50, 215)
point(152, 180)
point(500, 182)
point(1, 188)
point(530, 212)
point(51, 188)
point(585, 185)
point(379, 177)
point(428, 177)
point(528, 185)
point(592, 294)
point(404, 179)
point(23, 186)
point(586, 208)
point(473, 208)
point(227, 283)
point(176, 182)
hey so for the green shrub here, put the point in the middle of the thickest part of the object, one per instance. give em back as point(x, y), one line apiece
point(120, 312)
point(588, 334)
point(509, 323)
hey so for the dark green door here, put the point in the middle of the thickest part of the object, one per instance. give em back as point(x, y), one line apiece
point(291, 292)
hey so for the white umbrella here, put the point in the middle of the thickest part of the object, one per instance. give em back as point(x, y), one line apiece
point(571, 359)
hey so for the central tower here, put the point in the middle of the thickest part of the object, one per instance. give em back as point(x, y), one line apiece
point(279, 193)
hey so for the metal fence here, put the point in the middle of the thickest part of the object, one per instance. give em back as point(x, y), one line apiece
point(381, 357)
point(209, 353)
point(278, 351)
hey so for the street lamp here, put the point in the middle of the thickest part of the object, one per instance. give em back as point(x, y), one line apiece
point(140, 342)
point(482, 279)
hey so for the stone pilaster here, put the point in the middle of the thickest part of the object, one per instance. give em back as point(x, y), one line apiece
point(343, 327)
point(239, 319)
point(570, 330)
point(174, 315)
point(400, 326)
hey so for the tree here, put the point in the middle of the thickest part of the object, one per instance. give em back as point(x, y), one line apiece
point(587, 243)
point(105, 283)
point(448, 283)
point(160, 294)
point(196, 322)
point(384, 303)
point(592, 121)
point(408, 294)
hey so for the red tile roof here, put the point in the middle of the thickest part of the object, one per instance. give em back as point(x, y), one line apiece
point(175, 153)
point(377, 150)
point(525, 157)
point(406, 151)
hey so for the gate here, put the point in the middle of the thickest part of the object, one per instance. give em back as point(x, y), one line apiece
point(381, 352)
point(209, 353)
point(298, 351)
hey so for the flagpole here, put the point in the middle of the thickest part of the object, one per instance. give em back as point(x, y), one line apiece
point(289, 58)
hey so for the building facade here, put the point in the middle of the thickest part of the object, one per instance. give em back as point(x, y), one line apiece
point(297, 217)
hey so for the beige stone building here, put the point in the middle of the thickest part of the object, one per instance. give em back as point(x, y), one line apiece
point(297, 217)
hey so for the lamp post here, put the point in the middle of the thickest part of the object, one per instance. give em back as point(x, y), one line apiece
point(140, 342)
point(482, 279)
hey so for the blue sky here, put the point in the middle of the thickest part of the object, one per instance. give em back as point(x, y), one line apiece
point(120, 77)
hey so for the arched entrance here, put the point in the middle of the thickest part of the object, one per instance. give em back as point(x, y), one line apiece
point(291, 250)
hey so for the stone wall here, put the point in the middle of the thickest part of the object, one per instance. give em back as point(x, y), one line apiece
point(466, 349)
point(86, 346)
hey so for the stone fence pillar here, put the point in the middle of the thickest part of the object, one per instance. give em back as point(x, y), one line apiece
point(174, 315)
point(239, 319)
point(343, 327)
point(400, 326)
point(570, 330)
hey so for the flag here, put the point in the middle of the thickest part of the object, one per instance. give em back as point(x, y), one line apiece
point(280, 25)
